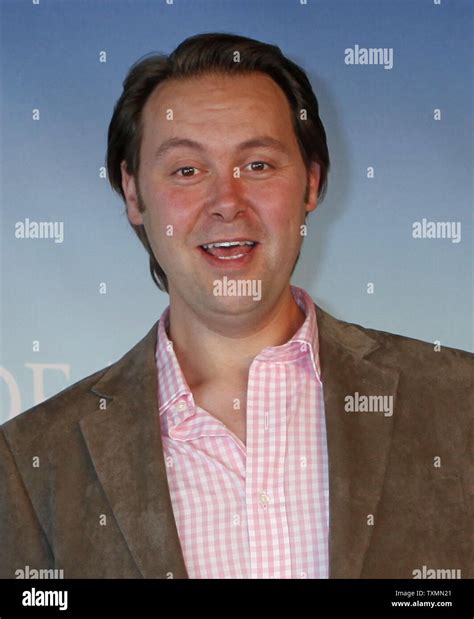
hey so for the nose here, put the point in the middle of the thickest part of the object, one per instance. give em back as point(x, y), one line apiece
point(226, 200)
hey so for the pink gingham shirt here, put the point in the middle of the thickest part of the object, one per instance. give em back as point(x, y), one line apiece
point(258, 510)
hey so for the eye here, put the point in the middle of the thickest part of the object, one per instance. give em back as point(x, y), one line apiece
point(185, 170)
point(259, 163)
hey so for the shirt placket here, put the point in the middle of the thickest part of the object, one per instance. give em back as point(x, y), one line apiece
point(265, 475)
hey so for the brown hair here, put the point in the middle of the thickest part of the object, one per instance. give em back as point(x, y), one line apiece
point(203, 54)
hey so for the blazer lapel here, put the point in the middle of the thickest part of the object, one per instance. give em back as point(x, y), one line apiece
point(124, 443)
point(358, 442)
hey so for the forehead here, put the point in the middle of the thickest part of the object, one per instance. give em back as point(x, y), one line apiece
point(221, 100)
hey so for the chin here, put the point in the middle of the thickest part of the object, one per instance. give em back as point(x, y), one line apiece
point(236, 305)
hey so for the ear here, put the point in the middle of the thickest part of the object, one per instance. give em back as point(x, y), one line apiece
point(131, 196)
point(314, 176)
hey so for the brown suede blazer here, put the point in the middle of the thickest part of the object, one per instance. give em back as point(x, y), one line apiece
point(401, 486)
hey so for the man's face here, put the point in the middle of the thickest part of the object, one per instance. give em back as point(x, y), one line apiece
point(224, 190)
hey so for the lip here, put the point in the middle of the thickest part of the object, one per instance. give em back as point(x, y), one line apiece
point(240, 239)
point(227, 265)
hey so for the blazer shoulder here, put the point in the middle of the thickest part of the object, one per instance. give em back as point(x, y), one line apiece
point(399, 351)
point(443, 367)
point(59, 414)
point(417, 349)
point(70, 404)
point(63, 408)
point(414, 345)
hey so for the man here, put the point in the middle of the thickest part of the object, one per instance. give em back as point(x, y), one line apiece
point(249, 434)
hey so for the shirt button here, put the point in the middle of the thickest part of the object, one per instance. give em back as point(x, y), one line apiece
point(264, 499)
point(181, 406)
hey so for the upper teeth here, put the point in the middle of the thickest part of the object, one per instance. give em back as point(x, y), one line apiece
point(228, 244)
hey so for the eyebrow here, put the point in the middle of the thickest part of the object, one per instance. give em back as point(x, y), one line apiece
point(257, 142)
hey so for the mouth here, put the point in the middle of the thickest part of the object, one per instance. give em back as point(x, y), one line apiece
point(228, 253)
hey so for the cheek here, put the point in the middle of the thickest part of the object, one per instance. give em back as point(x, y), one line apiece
point(284, 199)
point(167, 216)
point(285, 221)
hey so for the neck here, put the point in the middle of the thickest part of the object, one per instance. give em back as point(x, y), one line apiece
point(209, 350)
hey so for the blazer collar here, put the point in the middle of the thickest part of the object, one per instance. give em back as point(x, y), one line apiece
point(124, 443)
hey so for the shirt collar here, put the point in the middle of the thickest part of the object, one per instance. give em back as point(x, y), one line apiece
point(172, 383)
point(304, 341)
